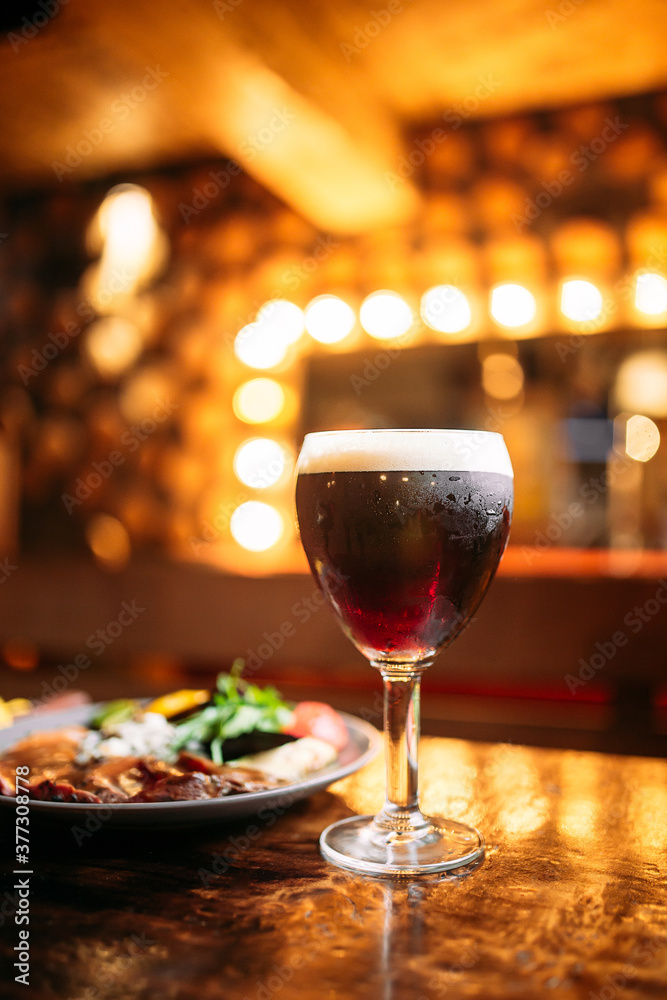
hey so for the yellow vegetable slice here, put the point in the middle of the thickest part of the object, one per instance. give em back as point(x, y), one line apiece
point(177, 702)
point(6, 717)
point(19, 706)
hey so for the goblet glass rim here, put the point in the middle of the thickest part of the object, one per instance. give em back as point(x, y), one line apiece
point(404, 430)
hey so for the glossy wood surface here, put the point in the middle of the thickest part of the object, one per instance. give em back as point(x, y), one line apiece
point(570, 901)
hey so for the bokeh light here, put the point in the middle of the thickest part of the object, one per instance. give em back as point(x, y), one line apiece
point(256, 526)
point(642, 438)
point(133, 247)
point(651, 294)
point(512, 305)
point(260, 345)
point(258, 401)
point(144, 393)
point(112, 345)
point(580, 300)
point(641, 383)
point(126, 215)
point(283, 319)
point(329, 319)
point(446, 309)
point(385, 315)
point(260, 462)
point(108, 540)
point(502, 376)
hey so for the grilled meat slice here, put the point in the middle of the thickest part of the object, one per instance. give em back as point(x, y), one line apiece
point(56, 776)
point(48, 754)
point(176, 788)
point(195, 785)
point(60, 791)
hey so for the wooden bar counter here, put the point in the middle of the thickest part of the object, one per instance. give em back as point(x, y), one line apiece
point(570, 901)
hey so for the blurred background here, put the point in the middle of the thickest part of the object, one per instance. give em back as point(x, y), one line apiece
point(225, 224)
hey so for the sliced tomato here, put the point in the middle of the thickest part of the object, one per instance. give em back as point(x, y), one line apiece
point(314, 718)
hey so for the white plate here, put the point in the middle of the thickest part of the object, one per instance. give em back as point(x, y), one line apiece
point(363, 744)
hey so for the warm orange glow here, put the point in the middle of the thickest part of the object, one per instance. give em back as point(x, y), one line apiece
point(641, 383)
point(108, 540)
point(502, 376)
point(512, 305)
point(20, 655)
point(580, 300)
point(145, 395)
point(523, 808)
point(260, 462)
point(651, 294)
point(329, 319)
point(579, 802)
point(258, 401)
point(642, 438)
point(112, 345)
point(332, 175)
point(646, 816)
point(449, 791)
point(256, 526)
point(385, 315)
point(446, 309)
point(583, 243)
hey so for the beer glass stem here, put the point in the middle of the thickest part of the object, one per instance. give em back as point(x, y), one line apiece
point(401, 812)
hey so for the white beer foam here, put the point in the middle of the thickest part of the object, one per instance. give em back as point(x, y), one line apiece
point(405, 451)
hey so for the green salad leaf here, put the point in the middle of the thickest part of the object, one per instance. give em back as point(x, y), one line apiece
point(113, 712)
point(237, 707)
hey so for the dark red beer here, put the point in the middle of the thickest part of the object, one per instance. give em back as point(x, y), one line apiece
point(404, 557)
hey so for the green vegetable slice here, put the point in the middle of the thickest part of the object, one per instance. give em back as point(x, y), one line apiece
point(113, 712)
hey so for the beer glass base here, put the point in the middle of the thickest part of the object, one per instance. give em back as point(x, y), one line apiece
point(359, 845)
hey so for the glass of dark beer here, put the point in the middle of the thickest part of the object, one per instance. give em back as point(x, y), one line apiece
point(403, 530)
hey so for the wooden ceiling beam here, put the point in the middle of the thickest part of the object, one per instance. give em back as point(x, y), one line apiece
point(313, 99)
point(146, 85)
